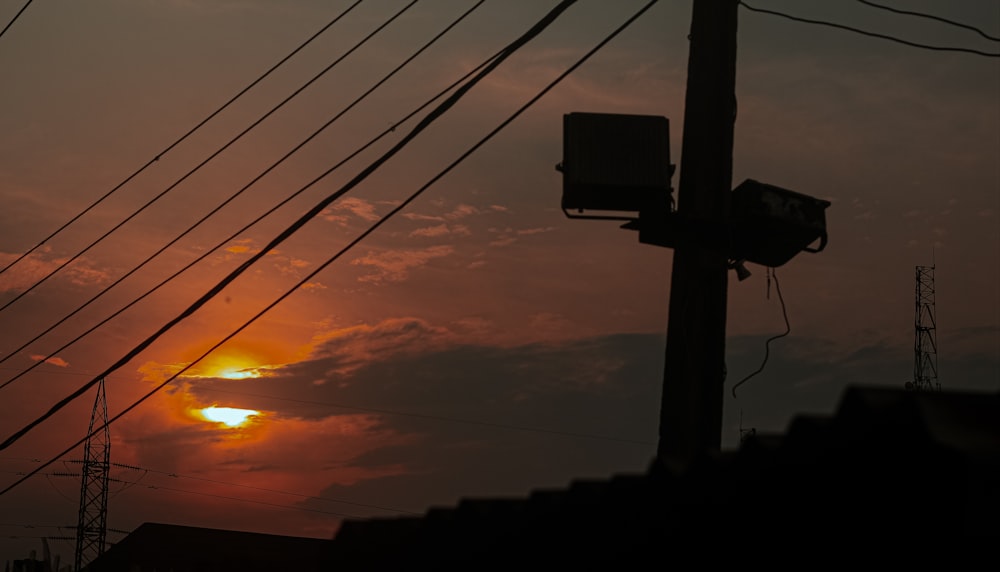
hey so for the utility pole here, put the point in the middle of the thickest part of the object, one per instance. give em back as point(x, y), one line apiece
point(694, 371)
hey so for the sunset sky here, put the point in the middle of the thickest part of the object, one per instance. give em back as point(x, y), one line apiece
point(479, 342)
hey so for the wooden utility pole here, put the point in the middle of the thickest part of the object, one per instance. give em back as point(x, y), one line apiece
point(694, 371)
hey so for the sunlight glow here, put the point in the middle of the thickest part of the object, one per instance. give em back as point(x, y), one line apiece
point(228, 416)
point(240, 373)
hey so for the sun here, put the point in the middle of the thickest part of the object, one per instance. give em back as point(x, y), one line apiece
point(228, 416)
point(231, 365)
point(235, 373)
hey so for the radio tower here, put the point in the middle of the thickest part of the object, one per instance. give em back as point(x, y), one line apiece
point(91, 528)
point(925, 338)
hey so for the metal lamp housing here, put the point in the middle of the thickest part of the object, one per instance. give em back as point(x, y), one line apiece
point(615, 162)
point(770, 225)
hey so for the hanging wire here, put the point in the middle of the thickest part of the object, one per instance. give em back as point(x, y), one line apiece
point(871, 34)
point(931, 17)
point(767, 345)
point(14, 19)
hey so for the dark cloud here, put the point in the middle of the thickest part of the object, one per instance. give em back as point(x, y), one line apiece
point(488, 420)
point(487, 384)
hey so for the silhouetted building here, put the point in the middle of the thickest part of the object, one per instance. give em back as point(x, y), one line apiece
point(28, 565)
point(890, 466)
point(32, 564)
point(155, 547)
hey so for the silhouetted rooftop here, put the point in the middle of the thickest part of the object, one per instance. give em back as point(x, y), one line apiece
point(889, 463)
point(167, 547)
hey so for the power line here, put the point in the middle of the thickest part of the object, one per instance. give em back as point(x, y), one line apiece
point(176, 475)
point(36, 537)
point(60, 474)
point(392, 128)
point(29, 459)
point(55, 526)
point(39, 360)
point(18, 525)
point(182, 138)
point(11, 23)
point(131, 484)
point(506, 52)
point(871, 34)
point(162, 193)
point(931, 17)
point(48, 479)
point(294, 227)
point(270, 504)
point(239, 192)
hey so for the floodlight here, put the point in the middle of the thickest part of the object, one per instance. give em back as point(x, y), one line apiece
point(621, 163)
point(769, 224)
point(615, 162)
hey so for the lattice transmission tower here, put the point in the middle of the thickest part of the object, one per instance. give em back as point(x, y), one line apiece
point(92, 525)
point(925, 366)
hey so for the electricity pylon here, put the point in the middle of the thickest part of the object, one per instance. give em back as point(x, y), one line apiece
point(92, 525)
point(925, 372)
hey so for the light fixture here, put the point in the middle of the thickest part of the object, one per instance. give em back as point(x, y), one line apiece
point(621, 163)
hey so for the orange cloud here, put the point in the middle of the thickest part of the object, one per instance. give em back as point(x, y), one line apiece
point(509, 235)
point(442, 230)
point(357, 346)
point(528, 231)
point(503, 241)
point(462, 211)
point(242, 246)
point(52, 360)
point(417, 216)
point(431, 231)
point(252, 356)
point(339, 211)
point(30, 270)
point(84, 275)
point(395, 265)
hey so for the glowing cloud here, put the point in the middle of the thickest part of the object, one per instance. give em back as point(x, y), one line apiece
point(246, 373)
point(52, 360)
point(228, 416)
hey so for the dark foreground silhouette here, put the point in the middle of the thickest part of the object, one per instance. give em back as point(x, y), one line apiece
point(888, 464)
